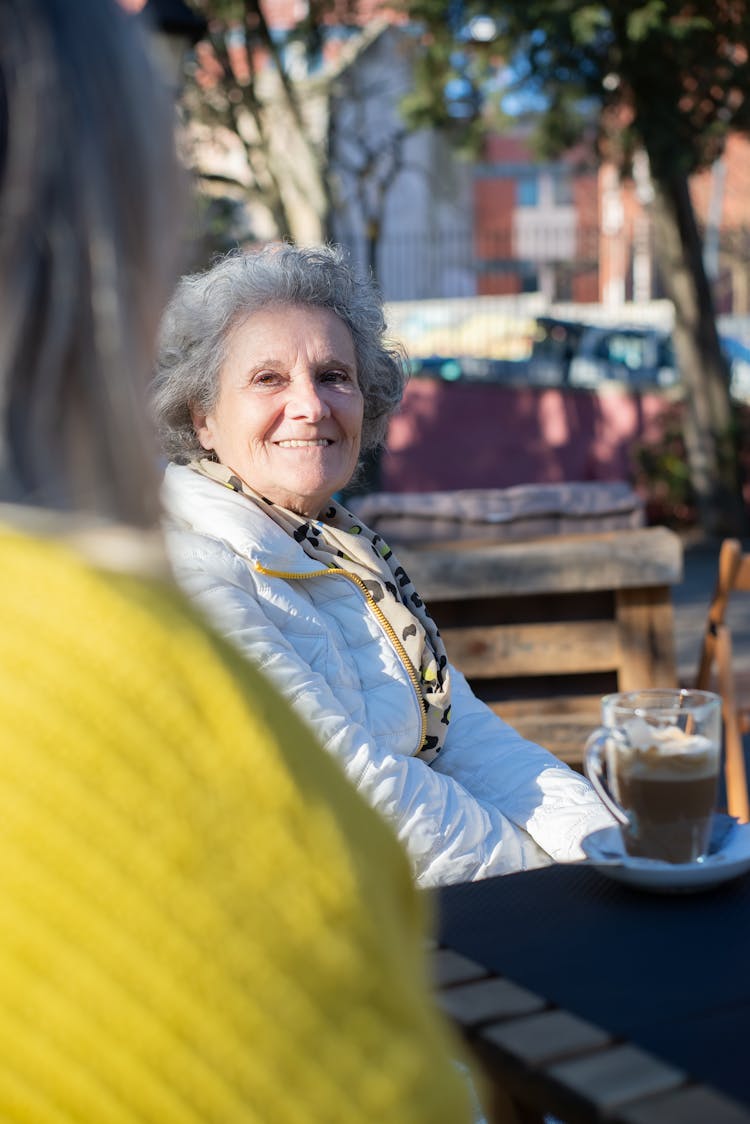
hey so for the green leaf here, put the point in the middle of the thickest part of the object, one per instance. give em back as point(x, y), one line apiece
point(587, 22)
point(645, 19)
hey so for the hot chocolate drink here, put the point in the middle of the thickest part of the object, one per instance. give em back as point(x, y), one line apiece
point(665, 780)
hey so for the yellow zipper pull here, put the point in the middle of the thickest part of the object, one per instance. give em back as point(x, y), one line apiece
point(382, 620)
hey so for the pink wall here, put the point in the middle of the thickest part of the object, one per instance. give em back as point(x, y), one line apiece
point(477, 435)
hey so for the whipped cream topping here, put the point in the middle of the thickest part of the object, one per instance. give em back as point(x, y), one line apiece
point(667, 750)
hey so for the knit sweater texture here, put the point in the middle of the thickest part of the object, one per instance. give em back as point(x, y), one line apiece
point(202, 921)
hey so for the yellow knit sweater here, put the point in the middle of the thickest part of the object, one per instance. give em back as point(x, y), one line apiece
point(200, 922)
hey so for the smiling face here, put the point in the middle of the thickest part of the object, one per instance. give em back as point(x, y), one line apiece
point(288, 418)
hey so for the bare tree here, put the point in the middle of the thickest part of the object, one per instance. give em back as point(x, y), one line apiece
point(257, 104)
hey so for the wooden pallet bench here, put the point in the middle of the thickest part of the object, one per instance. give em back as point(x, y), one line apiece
point(543, 628)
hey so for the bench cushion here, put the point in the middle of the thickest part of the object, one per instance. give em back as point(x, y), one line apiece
point(521, 512)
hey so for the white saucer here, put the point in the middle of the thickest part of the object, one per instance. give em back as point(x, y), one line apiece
point(604, 850)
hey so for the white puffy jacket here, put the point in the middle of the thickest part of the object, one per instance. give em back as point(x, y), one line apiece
point(491, 803)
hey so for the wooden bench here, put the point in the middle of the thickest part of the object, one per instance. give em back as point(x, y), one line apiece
point(543, 628)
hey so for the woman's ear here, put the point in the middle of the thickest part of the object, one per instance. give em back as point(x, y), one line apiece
point(202, 426)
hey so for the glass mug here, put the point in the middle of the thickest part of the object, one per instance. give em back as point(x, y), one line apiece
point(654, 762)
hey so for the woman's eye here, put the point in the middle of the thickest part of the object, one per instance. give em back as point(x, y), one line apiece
point(336, 376)
point(265, 378)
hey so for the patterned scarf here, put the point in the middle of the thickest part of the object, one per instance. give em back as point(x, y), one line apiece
point(339, 541)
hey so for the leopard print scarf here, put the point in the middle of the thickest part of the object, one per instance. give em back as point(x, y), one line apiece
point(337, 539)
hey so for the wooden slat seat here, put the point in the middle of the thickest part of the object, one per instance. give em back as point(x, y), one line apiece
point(543, 628)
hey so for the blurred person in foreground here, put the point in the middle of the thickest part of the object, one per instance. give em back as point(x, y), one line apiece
point(274, 376)
point(202, 923)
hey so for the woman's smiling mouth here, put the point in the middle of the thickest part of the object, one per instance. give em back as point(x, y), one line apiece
point(297, 444)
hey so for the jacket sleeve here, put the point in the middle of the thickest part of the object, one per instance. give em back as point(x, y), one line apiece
point(449, 834)
point(535, 790)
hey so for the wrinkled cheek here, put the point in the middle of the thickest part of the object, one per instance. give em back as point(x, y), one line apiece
point(352, 454)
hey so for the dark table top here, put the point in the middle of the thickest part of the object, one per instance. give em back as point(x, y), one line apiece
point(668, 972)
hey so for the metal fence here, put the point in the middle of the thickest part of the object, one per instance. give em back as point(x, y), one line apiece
point(416, 266)
point(564, 265)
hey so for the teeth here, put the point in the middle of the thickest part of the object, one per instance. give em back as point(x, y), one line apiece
point(319, 441)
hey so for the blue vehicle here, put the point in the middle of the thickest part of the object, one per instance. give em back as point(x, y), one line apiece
point(738, 355)
point(636, 357)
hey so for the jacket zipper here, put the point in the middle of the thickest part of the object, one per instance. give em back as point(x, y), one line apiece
point(382, 620)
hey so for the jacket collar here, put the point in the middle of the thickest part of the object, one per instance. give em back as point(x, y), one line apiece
point(194, 502)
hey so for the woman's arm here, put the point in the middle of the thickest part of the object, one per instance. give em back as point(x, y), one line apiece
point(450, 834)
point(530, 786)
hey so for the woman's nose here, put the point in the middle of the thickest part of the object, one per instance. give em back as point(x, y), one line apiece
point(307, 400)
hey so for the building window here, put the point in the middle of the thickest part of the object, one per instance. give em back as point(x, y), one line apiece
point(529, 280)
point(527, 191)
point(562, 190)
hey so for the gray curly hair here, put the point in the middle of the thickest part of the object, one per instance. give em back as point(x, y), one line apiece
point(199, 319)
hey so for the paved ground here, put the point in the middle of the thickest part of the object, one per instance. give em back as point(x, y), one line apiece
point(691, 599)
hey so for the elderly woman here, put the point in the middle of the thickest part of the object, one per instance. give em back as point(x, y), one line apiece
point(273, 379)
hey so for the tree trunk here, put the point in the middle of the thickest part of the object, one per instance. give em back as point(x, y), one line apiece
point(709, 432)
point(372, 236)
